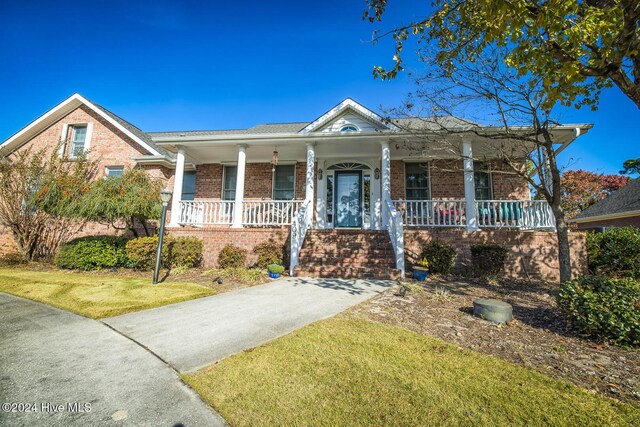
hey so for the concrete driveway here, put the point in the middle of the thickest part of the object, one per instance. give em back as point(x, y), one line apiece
point(61, 364)
point(192, 334)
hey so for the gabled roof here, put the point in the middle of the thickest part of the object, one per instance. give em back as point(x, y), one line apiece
point(341, 108)
point(623, 201)
point(67, 106)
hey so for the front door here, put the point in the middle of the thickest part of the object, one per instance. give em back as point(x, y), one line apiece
point(348, 199)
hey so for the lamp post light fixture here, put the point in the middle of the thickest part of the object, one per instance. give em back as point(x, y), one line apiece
point(165, 196)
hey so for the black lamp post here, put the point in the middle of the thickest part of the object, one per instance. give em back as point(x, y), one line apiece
point(165, 196)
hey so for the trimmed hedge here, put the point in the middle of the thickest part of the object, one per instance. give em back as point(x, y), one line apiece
point(93, 253)
point(232, 256)
point(604, 308)
point(269, 252)
point(616, 252)
point(440, 257)
point(176, 252)
point(487, 259)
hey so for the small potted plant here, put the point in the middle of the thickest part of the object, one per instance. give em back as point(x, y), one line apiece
point(275, 270)
point(421, 271)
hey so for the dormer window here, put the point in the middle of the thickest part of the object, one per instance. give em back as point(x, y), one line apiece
point(349, 128)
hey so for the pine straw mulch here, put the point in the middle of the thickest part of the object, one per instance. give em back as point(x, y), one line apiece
point(538, 337)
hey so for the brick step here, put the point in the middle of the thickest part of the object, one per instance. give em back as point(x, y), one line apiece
point(345, 262)
point(347, 250)
point(341, 253)
point(348, 272)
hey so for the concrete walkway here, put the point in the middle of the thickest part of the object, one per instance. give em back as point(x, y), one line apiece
point(50, 357)
point(192, 334)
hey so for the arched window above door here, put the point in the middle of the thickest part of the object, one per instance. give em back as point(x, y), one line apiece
point(348, 166)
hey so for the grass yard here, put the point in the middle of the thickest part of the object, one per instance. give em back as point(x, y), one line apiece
point(96, 295)
point(359, 373)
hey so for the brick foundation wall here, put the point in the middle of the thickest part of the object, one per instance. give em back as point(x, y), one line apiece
point(532, 254)
point(214, 239)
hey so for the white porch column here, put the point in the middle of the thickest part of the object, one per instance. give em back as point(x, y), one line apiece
point(177, 188)
point(386, 181)
point(469, 186)
point(310, 177)
point(237, 206)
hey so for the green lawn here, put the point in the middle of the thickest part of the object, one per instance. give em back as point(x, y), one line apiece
point(361, 373)
point(95, 295)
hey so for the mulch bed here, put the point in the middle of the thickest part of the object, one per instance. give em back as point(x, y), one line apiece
point(539, 337)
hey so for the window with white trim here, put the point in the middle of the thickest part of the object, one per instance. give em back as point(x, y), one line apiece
point(189, 185)
point(78, 140)
point(229, 183)
point(417, 181)
point(284, 182)
point(114, 171)
point(349, 128)
point(482, 180)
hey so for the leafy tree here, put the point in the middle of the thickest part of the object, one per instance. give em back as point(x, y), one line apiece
point(631, 167)
point(124, 202)
point(39, 194)
point(504, 111)
point(581, 189)
point(576, 47)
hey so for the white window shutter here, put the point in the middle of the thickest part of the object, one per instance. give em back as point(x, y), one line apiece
point(63, 139)
point(87, 140)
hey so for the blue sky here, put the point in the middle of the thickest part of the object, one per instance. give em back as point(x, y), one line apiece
point(186, 65)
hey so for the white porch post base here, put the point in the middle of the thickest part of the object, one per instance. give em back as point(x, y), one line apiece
point(469, 187)
point(237, 206)
point(386, 182)
point(177, 189)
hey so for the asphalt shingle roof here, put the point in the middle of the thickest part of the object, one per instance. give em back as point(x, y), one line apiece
point(626, 199)
point(134, 130)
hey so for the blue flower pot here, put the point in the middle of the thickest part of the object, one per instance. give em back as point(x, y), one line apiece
point(420, 275)
point(274, 275)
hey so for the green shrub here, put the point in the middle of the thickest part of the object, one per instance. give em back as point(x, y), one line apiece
point(247, 276)
point(185, 252)
point(269, 252)
point(439, 255)
point(487, 259)
point(616, 252)
point(232, 257)
point(12, 259)
point(176, 252)
point(142, 252)
point(275, 269)
point(603, 307)
point(93, 253)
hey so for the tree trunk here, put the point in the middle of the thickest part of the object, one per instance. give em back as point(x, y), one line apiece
point(564, 250)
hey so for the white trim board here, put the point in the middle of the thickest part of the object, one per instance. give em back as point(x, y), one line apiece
point(59, 111)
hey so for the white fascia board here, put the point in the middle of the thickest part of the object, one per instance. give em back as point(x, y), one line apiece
point(74, 101)
point(605, 217)
point(339, 109)
point(117, 125)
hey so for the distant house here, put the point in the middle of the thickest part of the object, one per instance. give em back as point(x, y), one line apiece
point(620, 209)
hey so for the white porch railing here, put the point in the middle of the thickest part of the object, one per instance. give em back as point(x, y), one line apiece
point(269, 212)
point(299, 226)
point(522, 214)
point(432, 213)
point(396, 233)
point(259, 213)
point(201, 213)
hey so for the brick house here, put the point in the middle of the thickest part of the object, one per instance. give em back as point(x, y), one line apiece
point(619, 209)
point(345, 192)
